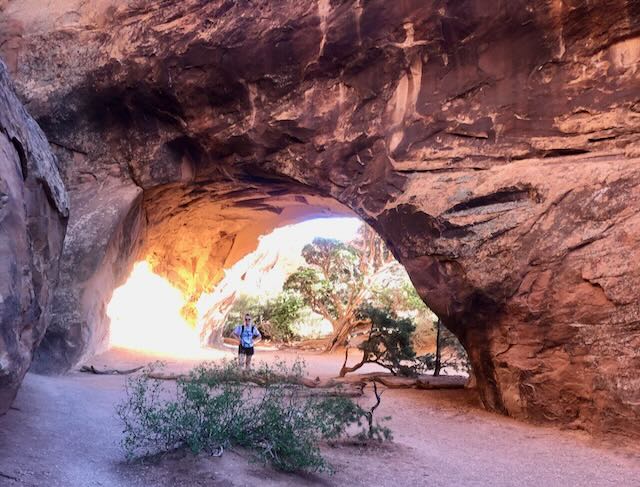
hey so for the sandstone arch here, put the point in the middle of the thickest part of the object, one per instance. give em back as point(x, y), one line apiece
point(189, 233)
point(493, 144)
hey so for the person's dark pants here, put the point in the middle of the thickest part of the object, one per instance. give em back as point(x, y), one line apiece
point(244, 356)
point(245, 350)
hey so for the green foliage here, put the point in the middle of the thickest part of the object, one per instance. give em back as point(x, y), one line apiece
point(452, 355)
point(449, 354)
point(399, 295)
point(338, 277)
point(280, 314)
point(242, 305)
point(389, 341)
point(215, 408)
point(374, 430)
point(328, 282)
point(413, 299)
point(275, 317)
point(390, 345)
point(396, 293)
point(334, 258)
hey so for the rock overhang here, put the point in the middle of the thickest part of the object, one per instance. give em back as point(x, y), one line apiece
point(493, 146)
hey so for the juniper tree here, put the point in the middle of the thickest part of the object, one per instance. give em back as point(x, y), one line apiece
point(338, 278)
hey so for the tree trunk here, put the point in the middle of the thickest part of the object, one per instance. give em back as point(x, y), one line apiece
point(344, 370)
point(338, 339)
point(436, 371)
point(340, 334)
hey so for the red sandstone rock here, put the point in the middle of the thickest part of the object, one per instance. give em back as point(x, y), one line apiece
point(33, 212)
point(494, 145)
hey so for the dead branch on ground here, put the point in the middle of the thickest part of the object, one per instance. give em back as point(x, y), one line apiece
point(90, 369)
point(328, 387)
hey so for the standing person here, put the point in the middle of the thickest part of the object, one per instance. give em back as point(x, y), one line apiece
point(246, 333)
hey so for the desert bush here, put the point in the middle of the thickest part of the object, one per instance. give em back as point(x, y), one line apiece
point(390, 340)
point(275, 317)
point(399, 295)
point(215, 407)
point(449, 354)
point(388, 343)
point(281, 314)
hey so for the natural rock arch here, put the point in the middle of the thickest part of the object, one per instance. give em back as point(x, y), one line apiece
point(493, 144)
point(189, 233)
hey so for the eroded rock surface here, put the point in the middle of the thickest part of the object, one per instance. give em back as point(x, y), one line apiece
point(33, 212)
point(105, 233)
point(494, 145)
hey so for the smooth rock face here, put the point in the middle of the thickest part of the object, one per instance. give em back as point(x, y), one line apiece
point(33, 212)
point(494, 145)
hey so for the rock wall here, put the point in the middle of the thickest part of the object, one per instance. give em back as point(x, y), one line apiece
point(104, 235)
point(33, 213)
point(493, 144)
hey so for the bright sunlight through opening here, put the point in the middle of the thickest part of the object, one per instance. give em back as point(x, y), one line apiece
point(145, 311)
point(145, 315)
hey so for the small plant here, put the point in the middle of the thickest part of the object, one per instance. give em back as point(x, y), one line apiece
point(217, 406)
point(374, 431)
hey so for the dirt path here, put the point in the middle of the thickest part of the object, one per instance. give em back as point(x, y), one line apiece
point(64, 432)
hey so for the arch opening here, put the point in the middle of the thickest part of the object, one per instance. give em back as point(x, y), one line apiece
point(503, 186)
point(149, 314)
point(172, 246)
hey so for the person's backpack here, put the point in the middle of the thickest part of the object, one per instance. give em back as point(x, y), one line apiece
point(243, 342)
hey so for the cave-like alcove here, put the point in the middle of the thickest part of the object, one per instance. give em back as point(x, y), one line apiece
point(494, 147)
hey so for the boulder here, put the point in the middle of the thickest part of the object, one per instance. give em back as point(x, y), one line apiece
point(103, 237)
point(33, 216)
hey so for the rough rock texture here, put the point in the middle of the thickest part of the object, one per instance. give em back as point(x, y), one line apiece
point(33, 212)
point(494, 144)
point(105, 232)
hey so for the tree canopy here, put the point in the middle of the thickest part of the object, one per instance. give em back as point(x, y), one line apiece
point(339, 277)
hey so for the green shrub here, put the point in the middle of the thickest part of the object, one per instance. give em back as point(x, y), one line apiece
point(449, 354)
point(388, 343)
point(275, 317)
point(281, 313)
point(219, 406)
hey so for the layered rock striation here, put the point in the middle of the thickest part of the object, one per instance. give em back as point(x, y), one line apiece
point(494, 145)
point(33, 216)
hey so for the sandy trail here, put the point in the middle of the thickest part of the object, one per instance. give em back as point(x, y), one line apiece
point(63, 432)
